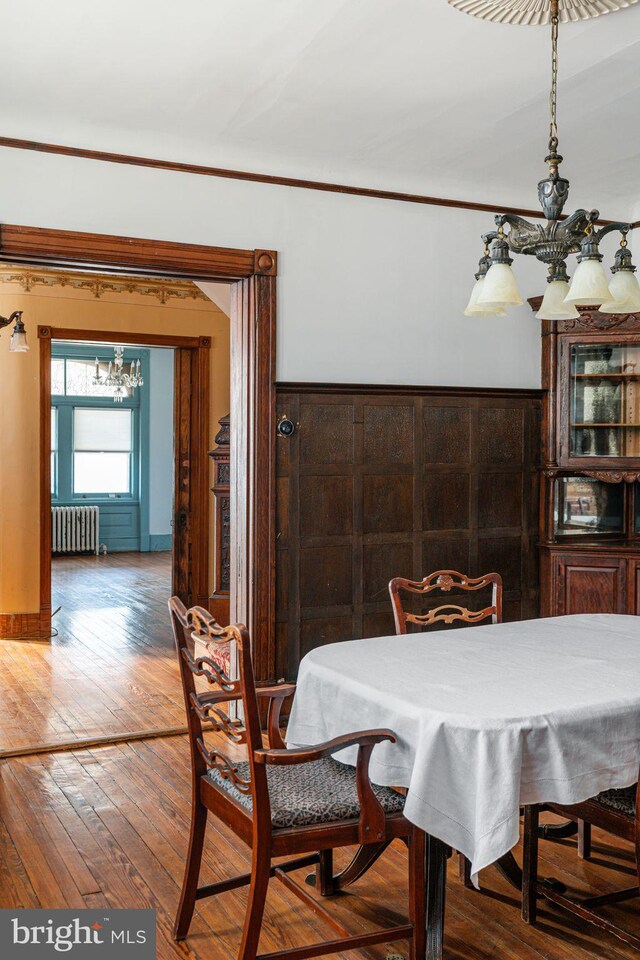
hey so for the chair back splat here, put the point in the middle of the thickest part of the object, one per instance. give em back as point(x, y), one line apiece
point(445, 581)
point(208, 707)
point(298, 803)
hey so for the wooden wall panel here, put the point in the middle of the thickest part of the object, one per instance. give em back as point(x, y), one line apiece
point(384, 482)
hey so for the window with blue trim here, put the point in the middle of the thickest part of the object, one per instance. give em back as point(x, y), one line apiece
point(95, 443)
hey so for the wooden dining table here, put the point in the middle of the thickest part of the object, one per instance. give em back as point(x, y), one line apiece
point(486, 719)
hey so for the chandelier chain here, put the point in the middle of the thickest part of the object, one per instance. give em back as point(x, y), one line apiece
point(553, 95)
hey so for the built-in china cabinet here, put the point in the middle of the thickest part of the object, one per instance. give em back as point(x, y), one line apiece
point(590, 489)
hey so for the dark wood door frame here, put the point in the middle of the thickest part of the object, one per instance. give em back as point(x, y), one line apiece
point(190, 578)
point(252, 274)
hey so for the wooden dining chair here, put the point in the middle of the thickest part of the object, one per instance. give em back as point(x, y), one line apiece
point(445, 581)
point(615, 811)
point(299, 802)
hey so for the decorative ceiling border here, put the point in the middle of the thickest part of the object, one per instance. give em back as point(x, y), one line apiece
point(205, 171)
point(161, 290)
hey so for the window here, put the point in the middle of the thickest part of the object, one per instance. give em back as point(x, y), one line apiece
point(54, 450)
point(73, 377)
point(57, 377)
point(102, 449)
point(96, 449)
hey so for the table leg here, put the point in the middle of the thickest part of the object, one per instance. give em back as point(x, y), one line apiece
point(363, 860)
point(508, 868)
point(437, 854)
point(558, 831)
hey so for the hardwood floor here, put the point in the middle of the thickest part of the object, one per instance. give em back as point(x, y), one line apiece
point(110, 670)
point(108, 827)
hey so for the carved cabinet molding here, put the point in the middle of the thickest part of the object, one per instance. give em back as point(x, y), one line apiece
point(219, 600)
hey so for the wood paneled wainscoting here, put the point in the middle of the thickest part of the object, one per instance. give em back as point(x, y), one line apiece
point(377, 482)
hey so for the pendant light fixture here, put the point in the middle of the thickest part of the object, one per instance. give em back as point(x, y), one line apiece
point(18, 342)
point(118, 376)
point(553, 241)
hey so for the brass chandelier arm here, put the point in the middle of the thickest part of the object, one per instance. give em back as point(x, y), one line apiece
point(5, 321)
point(624, 229)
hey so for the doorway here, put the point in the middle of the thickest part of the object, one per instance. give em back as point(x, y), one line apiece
point(112, 470)
point(252, 275)
point(191, 507)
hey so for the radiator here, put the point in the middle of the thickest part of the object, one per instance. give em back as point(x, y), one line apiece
point(75, 530)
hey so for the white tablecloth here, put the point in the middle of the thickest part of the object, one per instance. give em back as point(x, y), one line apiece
point(487, 718)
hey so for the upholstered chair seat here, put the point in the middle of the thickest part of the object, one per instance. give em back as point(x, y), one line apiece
point(622, 800)
point(302, 795)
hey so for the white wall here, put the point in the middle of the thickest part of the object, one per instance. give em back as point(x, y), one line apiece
point(369, 291)
point(160, 441)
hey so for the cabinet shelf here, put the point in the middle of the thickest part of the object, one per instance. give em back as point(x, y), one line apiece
point(580, 426)
point(605, 376)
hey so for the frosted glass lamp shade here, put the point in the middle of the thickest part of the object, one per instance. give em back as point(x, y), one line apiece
point(553, 306)
point(625, 293)
point(475, 309)
point(589, 286)
point(18, 342)
point(500, 287)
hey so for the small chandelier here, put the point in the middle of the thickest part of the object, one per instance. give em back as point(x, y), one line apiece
point(118, 377)
point(18, 342)
point(496, 289)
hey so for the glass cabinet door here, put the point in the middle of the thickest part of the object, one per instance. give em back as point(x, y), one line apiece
point(587, 506)
point(605, 400)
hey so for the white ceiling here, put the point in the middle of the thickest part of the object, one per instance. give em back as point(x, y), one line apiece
point(408, 95)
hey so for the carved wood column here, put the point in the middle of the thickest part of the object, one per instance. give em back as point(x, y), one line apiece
point(219, 600)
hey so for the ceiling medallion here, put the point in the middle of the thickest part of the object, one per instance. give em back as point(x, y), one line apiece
point(535, 12)
point(495, 289)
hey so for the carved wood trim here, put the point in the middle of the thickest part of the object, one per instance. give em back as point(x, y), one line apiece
point(253, 328)
point(589, 321)
point(66, 249)
point(612, 476)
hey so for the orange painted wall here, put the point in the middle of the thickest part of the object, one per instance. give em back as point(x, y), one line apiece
point(61, 306)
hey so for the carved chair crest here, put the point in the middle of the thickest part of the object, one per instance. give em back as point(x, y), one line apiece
point(445, 580)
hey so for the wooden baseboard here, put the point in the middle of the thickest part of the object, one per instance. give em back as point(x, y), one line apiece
point(26, 626)
point(88, 742)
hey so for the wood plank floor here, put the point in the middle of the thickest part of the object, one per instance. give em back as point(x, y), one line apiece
point(111, 669)
point(108, 827)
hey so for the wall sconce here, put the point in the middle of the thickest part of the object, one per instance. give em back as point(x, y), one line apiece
point(18, 342)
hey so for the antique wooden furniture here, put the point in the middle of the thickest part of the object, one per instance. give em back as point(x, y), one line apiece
point(282, 802)
point(615, 811)
point(445, 581)
point(590, 490)
point(219, 599)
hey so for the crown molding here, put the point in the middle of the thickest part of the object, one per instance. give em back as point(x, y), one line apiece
point(205, 171)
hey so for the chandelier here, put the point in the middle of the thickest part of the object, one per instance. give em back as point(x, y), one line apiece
point(118, 377)
point(552, 242)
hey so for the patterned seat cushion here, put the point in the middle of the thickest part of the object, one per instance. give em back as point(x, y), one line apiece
point(622, 800)
point(308, 793)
